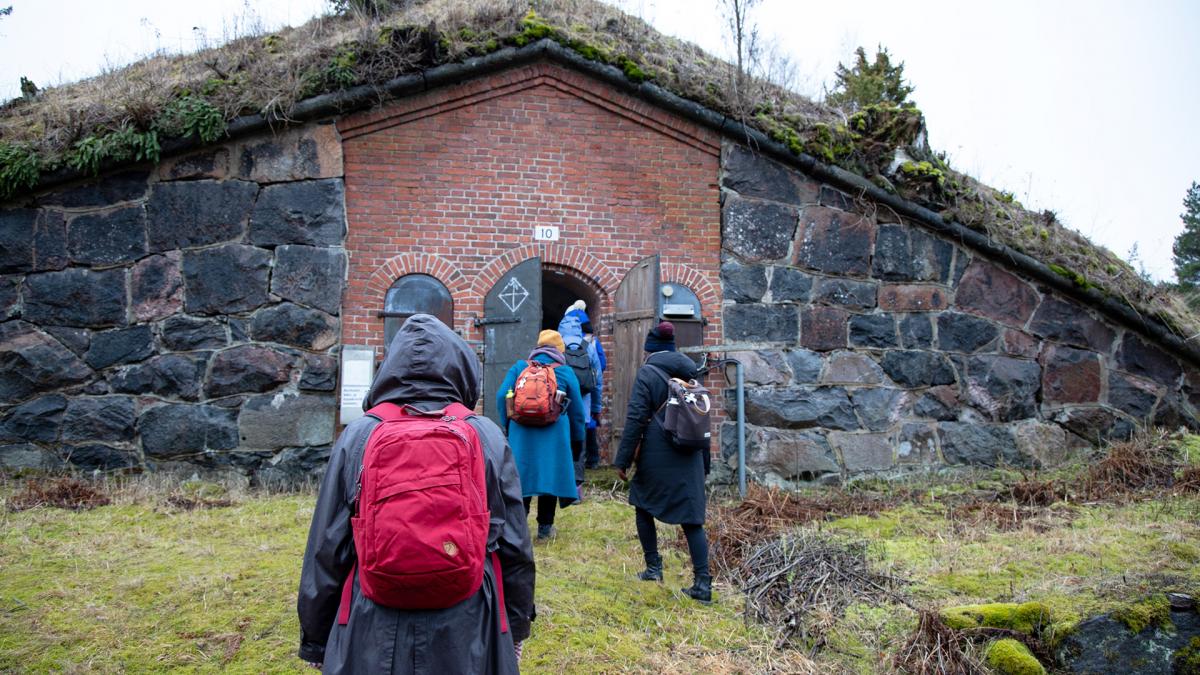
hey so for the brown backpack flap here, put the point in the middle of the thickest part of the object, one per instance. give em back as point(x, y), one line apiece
point(685, 413)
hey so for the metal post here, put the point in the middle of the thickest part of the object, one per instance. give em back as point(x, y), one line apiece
point(741, 429)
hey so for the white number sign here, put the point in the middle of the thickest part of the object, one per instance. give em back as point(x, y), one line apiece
point(545, 233)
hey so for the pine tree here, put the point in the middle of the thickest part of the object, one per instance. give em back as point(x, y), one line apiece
point(869, 83)
point(1187, 244)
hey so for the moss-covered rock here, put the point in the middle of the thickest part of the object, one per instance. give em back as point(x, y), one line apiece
point(1010, 657)
point(1030, 617)
point(1155, 611)
point(1187, 660)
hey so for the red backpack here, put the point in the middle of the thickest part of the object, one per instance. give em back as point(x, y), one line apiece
point(536, 400)
point(421, 516)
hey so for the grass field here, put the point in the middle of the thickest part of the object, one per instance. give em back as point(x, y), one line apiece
point(144, 584)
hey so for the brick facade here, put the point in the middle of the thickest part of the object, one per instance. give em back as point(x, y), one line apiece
point(451, 183)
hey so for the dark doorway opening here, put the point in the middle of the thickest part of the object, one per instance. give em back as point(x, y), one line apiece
point(559, 291)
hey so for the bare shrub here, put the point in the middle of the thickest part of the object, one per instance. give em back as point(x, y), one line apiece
point(63, 493)
point(936, 649)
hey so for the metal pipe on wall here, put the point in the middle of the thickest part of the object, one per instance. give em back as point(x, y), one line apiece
point(741, 428)
point(740, 389)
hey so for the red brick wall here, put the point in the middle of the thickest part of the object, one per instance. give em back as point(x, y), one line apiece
point(451, 183)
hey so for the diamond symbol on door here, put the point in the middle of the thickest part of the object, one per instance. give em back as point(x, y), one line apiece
point(513, 294)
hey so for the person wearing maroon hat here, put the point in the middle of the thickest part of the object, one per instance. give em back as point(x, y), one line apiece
point(661, 338)
point(669, 482)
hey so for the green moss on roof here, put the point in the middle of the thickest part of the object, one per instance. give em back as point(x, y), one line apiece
point(124, 115)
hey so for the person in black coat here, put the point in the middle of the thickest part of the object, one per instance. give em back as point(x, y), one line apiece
point(669, 483)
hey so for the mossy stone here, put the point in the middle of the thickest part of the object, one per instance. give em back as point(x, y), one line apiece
point(1029, 617)
point(1187, 660)
point(1010, 657)
point(1155, 610)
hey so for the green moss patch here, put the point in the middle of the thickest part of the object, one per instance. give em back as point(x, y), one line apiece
point(1154, 610)
point(1187, 660)
point(1010, 657)
point(1029, 617)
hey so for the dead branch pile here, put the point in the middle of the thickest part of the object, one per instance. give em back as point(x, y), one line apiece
point(802, 582)
point(765, 512)
point(1189, 480)
point(936, 649)
point(63, 493)
point(1031, 491)
point(1149, 461)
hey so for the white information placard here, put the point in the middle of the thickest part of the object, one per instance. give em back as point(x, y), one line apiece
point(545, 233)
point(358, 371)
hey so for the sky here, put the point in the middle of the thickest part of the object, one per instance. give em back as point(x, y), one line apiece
point(1084, 107)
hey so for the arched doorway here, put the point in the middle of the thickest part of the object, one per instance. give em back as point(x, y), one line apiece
point(527, 299)
point(560, 289)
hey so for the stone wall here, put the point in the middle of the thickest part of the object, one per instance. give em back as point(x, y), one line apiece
point(185, 313)
point(873, 345)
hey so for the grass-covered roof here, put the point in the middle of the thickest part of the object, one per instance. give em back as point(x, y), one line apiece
point(127, 115)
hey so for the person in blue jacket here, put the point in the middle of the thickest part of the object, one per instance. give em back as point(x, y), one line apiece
point(544, 454)
point(596, 399)
point(571, 330)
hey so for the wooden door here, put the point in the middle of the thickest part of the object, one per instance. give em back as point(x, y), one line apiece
point(512, 317)
point(636, 305)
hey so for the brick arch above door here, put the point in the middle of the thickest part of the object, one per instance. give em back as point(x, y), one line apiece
point(551, 254)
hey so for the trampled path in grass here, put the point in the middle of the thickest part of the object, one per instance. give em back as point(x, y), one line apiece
point(143, 585)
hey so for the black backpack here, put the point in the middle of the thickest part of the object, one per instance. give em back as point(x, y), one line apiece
point(685, 413)
point(577, 358)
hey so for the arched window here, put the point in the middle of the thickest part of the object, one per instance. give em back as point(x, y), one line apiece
point(681, 307)
point(415, 294)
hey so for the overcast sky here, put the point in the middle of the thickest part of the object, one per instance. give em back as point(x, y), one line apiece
point(1085, 107)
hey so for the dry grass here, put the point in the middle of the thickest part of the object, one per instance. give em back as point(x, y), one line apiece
point(63, 493)
point(936, 649)
point(735, 529)
point(1151, 461)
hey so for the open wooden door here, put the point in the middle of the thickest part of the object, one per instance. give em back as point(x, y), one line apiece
point(512, 317)
point(636, 305)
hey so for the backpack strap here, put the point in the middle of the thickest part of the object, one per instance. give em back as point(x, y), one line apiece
point(661, 373)
point(667, 379)
point(500, 591)
point(347, 590)
point(390, 412)
point(387, 412)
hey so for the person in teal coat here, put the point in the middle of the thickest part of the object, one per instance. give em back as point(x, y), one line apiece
point(544, 454)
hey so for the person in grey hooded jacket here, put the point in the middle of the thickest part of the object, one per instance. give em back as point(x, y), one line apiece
point(427, 366)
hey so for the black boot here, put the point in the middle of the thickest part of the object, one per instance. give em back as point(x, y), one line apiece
point(653, 571)
point(702, 589)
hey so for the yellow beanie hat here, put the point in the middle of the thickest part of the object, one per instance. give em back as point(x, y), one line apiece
point(551, 338)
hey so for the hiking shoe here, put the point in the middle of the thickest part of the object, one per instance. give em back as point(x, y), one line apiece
point(653, 571)
point(546, 532)
point(701, 590)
